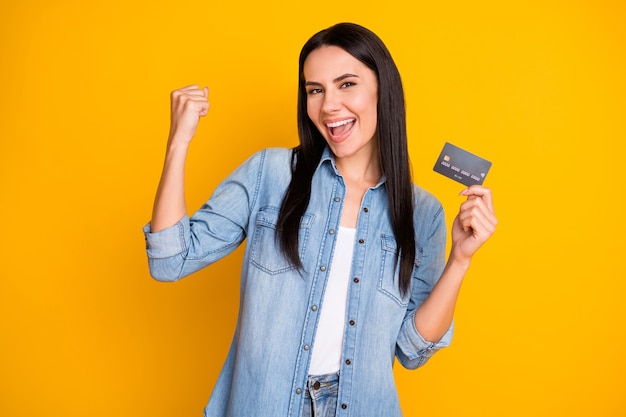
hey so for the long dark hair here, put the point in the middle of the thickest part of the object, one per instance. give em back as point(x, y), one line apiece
point(368, 48)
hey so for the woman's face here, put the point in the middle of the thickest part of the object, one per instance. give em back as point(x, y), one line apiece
point(342, 96)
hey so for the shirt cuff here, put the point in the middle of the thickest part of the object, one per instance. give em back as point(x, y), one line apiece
point(169, 241)
point(413, 344)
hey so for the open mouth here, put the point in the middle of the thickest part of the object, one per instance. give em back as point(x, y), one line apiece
point(339, 129)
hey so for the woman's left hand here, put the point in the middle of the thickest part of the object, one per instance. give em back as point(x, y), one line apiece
point(474, 224)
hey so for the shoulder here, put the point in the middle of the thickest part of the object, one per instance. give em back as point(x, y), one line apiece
point(424, 201)
point(269, 169)
point(268, 159)
point(272, 157)
point(428, 210)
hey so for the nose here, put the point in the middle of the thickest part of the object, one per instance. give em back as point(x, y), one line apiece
point(331, 103)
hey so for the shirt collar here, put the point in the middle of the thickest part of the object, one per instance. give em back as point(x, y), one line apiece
point(328, 157)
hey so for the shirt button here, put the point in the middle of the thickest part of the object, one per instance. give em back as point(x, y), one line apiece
point(322, 268)
point(366, 209)
point(351, 322)
point(298, 391)
point(306, 347)
point(361, 241)
point(344, 406)
point(337, 199)
point(348, 362)
point(331, 231)
point(356, 280)
point(314, 308)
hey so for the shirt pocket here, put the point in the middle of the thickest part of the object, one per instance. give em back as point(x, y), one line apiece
point(265, 252)
point(390, 272)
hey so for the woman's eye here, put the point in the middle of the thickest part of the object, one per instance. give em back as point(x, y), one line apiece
point(315, 91)
point(347, 84)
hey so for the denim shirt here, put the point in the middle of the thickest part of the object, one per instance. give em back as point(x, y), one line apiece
point(266, 368)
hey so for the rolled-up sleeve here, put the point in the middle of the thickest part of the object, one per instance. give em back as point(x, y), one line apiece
point(167, 242)
point(166, 249)
point(412, 350)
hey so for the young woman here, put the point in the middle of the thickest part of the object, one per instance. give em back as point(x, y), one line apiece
point(344, 268)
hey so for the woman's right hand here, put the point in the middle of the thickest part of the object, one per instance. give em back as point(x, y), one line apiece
point(188, 104)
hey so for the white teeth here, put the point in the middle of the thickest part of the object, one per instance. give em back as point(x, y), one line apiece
point(341, 123)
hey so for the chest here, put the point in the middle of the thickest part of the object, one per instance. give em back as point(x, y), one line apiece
point(353, 200)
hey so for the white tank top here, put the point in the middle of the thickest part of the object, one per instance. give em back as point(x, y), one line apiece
point(328, 343)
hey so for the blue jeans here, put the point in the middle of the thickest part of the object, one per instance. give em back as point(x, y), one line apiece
point(320, 396)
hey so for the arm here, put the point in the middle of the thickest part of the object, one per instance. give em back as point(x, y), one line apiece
point(474, 224)
point(188, 104)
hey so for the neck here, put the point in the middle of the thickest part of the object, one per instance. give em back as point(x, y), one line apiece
point(360, 172)
point(362, 166)
point(360, 169)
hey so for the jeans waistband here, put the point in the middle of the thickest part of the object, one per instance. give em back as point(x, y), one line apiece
point(320, 384)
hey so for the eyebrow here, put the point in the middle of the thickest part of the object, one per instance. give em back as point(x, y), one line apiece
point(336, 80)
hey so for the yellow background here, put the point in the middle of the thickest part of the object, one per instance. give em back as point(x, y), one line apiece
point(537, 87)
